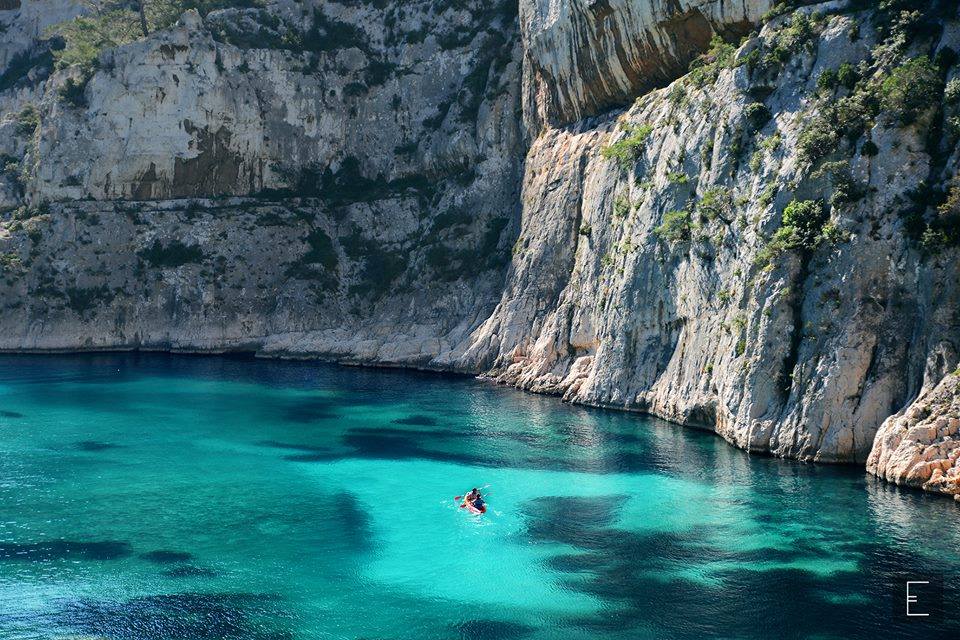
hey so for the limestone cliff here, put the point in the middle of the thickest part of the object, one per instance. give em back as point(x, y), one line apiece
point(583, 56)
point(919, 446)
point(665, 294)
point(765, 246)
point(348, 170)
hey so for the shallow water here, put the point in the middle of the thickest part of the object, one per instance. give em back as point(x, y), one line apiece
point(161, 497)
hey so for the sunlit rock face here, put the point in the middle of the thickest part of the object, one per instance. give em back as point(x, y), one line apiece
point(920, 445)
point(583, 57)
point(306, 178)
point(803, 356)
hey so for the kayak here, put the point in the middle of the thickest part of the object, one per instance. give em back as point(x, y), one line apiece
point(472, 509)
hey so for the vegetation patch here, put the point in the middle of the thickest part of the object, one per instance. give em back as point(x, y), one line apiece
point(675, 227)
point(27, 121)
point(943, 231)
point(705, 69)
point(795, 37)
point(321, 250)
point(804, 227)
point(757, 115)
point(451, 264)
point(83, 299)
point(22, 64)
point(628, 148)
point(175, 254)
point(716, 203)
point(911, 89)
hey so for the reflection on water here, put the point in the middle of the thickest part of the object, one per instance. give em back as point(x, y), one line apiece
point(148, 496)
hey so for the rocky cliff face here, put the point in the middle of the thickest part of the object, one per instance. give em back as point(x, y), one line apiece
point(765, 247)
point(344, 173)
point(665, 296)
point(582, 57)
point(919, 446)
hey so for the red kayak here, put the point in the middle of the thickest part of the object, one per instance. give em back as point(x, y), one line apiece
point(472, 509)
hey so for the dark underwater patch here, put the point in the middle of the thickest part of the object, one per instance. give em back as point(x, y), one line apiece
point(612, 461)
point(63, 550)
point(635, 574)
point(190, 571)
point(577, 562)
point(93, 445)
point(354, 522)
point(419, 434)
point(557, 517)
point(11, 414)
point(408, 445)
point(275, 444)
point(492, 630)
point(165, 556)
point(416, 420)
point(309, 410)
point(197, 616)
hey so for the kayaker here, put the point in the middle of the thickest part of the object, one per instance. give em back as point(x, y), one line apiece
point(470, 497)
point(474, 499)
point(478, 503)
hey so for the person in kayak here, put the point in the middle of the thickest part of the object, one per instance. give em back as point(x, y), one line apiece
point(474, 499)
point(478, 503)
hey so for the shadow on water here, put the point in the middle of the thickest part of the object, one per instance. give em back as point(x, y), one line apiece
point(492, 630)
point(164, 556)
point(471, 445)
point(63, 550)
point(94, 446)
point(636, 573)
point(197, 616)
point(353, 522)
point(417, 420)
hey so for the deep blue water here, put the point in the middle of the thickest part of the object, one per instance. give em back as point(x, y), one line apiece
point(163, 497)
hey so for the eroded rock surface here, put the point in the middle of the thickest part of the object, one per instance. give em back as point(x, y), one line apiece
point(803, 356)
point(366, 162)
point(584, 56)
point(919, 446)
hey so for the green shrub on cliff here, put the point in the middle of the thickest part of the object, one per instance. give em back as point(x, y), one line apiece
point(817, 140)
point(175, 254)
point(793, 38)
point(910, 89)
point(27, 121)
point(83, 299)
point(675, 227)
point(778, 10)
point(321, 250)
point(626, 150)
point(757, 115)
point(943, 231)
point(706, 68)
point(804, 225)
point(10, 261)
point(716, 202)
point(803, 221)
point(951, 93)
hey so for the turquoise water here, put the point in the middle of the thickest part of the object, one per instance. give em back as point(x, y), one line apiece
point(161, 497)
